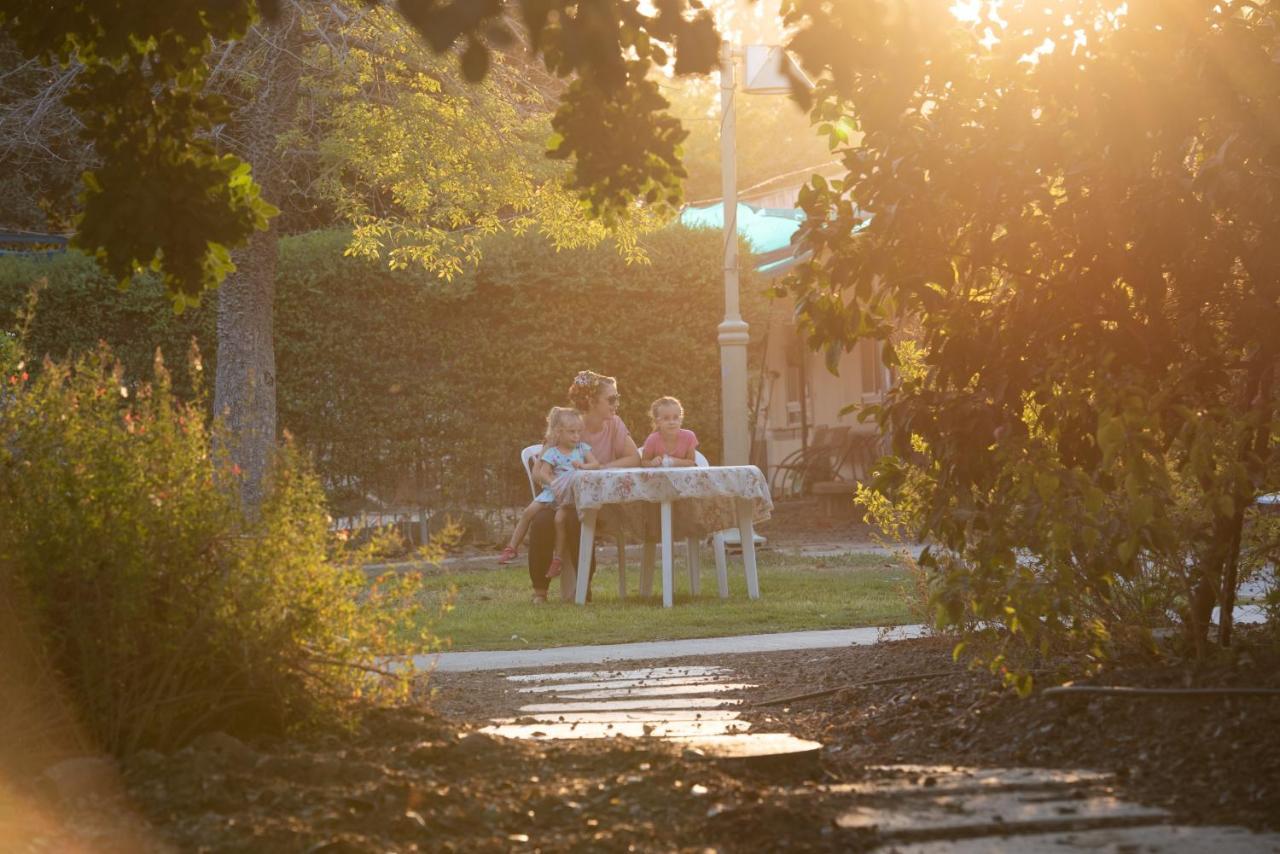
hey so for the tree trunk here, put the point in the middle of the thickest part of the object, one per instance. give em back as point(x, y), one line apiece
point(244, 396)
point(1217, 584)
point(244, 393)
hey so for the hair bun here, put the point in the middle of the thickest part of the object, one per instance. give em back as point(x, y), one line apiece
point(586, 387)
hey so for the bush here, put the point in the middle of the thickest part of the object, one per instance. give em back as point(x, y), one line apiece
point(162, 608)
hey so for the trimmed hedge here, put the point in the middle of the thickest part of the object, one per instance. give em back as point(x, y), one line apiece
point(421, 392)
point(81, 306)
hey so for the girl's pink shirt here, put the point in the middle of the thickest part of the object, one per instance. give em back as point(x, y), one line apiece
point(686, 441)
point(610, 442)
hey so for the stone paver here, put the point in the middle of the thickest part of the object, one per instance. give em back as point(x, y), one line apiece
point(1164, 839)
point(996, 812)
point(951, 779)
point(657, 703)
point(634, 704)
point(596, 675)
point(656, 691)
point(629, 729)
point(634, 715)
point(914, 809)
point(665, 682)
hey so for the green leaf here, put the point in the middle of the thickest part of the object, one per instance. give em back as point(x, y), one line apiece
point(1047, 484)
point(1111, 437)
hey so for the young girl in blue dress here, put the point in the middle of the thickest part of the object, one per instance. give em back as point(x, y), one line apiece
point(563, 453)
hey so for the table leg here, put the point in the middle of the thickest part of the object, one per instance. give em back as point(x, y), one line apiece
point(695, 571)
point(586, 545)
point(647, 551)
point(722, 570)
point(622, 565)
point(667, 581)
point(748, 536)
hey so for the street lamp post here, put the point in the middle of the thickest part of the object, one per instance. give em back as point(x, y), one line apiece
point(733, 329)
point(769, 71)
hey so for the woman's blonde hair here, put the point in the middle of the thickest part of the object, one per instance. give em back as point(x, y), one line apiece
point(661, 402)
point(556, 419)
point(586, 387)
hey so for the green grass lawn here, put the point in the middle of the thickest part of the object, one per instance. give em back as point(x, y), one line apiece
point(491, 608)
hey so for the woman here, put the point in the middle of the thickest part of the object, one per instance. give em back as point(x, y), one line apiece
point(596, 399)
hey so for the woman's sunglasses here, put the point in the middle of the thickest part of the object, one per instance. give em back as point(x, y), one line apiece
point(613, 399)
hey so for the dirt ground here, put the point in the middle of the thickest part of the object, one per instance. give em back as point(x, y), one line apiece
point(423, 779)
point(801, 522)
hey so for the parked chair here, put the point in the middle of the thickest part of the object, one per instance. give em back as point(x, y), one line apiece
point(528, 457)
point(859, 456)
point(820, 461)
point(692, 546)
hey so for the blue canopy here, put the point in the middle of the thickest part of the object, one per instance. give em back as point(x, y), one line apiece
point(768, 231)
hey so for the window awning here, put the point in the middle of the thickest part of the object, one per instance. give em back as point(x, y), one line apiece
point(768, 231)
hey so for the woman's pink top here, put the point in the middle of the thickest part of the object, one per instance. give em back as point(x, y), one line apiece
point(609, 442)
point(686, 441)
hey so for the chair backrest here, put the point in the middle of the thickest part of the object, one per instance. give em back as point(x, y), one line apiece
point(861, 453)
point(700, 461)
point(528, 457)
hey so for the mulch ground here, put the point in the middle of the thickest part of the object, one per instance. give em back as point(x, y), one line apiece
point(1208, 760)
point(425, 780)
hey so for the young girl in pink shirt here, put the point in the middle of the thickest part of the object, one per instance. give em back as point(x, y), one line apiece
point(669, 444)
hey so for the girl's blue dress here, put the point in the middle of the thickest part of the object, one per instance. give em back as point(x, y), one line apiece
point(561, 463)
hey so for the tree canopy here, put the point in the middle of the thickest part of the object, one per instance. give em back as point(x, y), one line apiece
point(1074, 211)
point(163, 197)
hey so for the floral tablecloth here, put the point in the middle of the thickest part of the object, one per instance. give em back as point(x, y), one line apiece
point(702, 497)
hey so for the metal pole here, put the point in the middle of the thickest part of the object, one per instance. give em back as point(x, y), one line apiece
point(733, 330)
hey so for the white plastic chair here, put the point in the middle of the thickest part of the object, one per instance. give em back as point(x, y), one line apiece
point(692, 546)
point(528, 457)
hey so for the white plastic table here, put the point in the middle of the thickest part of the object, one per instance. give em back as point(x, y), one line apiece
point(712, 498)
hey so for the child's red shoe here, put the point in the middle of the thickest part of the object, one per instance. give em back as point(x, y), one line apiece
point(508, 555)
point(554, 569)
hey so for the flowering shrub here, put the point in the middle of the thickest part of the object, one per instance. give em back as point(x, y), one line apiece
point(162, 608)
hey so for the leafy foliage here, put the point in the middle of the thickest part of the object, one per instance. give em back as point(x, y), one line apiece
point(81, 306)
point(164, 199)
point(1076, 204)
point(161, 608)
point(423, 165)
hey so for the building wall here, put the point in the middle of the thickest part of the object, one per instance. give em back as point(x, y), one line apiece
point(860, 379)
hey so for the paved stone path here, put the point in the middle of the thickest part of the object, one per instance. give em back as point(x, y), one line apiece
point(676, 703)
point(955, 810)
point(911, 809)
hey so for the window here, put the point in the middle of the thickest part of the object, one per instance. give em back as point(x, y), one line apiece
point(872, 369)
point(795, 382)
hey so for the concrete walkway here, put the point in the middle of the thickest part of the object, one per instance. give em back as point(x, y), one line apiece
point(514, 659)
point(451, 662)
